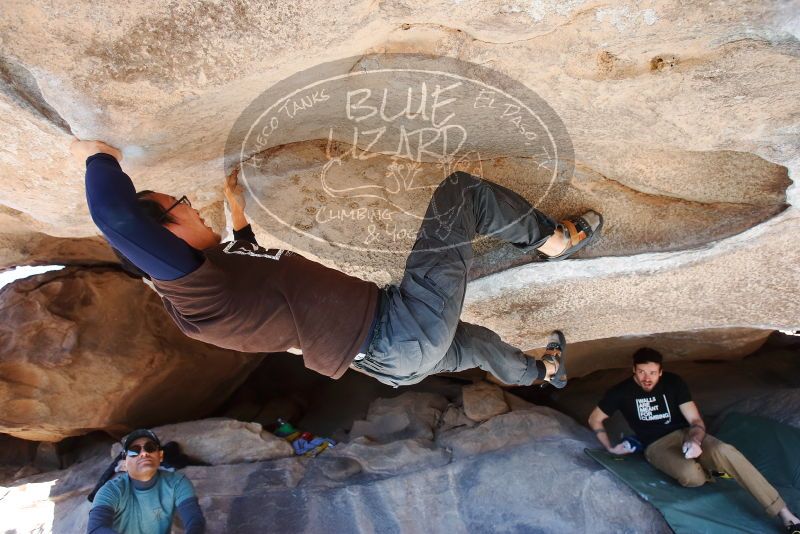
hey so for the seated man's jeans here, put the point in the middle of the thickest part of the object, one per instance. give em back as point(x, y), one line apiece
point(666, 455)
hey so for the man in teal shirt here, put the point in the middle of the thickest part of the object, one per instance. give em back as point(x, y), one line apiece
point(143, 500)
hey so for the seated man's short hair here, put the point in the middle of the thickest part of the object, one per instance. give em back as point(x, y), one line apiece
point(647, 355)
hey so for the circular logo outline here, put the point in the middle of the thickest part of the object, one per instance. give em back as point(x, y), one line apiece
point(243, 156)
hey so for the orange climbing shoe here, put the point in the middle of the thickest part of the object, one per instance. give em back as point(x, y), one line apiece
point(578, 232)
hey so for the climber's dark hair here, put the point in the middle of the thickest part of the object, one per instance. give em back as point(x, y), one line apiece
point(152, 209)
point(647, 355)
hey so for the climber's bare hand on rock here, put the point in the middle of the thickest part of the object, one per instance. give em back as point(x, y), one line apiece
point(83, 149)
point(234, 195)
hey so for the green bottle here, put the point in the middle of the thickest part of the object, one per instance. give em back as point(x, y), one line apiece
point(285, 429)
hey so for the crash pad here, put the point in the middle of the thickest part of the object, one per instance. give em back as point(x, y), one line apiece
point(721, 506)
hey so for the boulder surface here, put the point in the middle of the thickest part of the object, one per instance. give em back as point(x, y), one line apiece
point(521, 471)
point(93, 349)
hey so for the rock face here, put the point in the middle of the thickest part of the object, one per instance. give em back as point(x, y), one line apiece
point(521, 471)
point(83, 350)
point(14, 454)
point(137, 81)
point(27, 248)
point(291, 185)
point(782, 406)
point(666, 176)
point(632, 85)
point(221, 441)
point(711, 344)
point(646, 294)
point(680, 124)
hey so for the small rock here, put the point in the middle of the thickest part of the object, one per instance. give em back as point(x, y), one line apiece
point(388, 427)
point(410, 415)
point(483, 401)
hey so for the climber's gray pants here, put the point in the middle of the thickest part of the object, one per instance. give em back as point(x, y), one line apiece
point(418, 331)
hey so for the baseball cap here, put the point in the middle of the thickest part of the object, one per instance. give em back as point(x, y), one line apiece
point(140, 433)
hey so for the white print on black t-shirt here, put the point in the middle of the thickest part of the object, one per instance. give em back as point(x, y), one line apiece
point(649, 408)
point(246, 248)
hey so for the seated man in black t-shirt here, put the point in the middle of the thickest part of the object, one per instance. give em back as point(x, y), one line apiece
point(659, 409)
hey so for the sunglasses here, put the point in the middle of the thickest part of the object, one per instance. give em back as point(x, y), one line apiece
point(183, 200)
point(136, 450)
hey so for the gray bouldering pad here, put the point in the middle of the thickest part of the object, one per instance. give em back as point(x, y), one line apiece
point(722, 506)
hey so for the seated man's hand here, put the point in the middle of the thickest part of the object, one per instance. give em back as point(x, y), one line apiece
point(83, 149)
point(620, 450)
point(691, 449)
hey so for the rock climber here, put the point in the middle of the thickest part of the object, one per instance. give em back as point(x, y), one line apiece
point(240, 296)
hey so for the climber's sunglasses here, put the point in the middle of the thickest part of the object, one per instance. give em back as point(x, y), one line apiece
point(135, 450)
point(183, 200)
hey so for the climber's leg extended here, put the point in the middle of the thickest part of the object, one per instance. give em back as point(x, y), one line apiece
point(422, 313)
